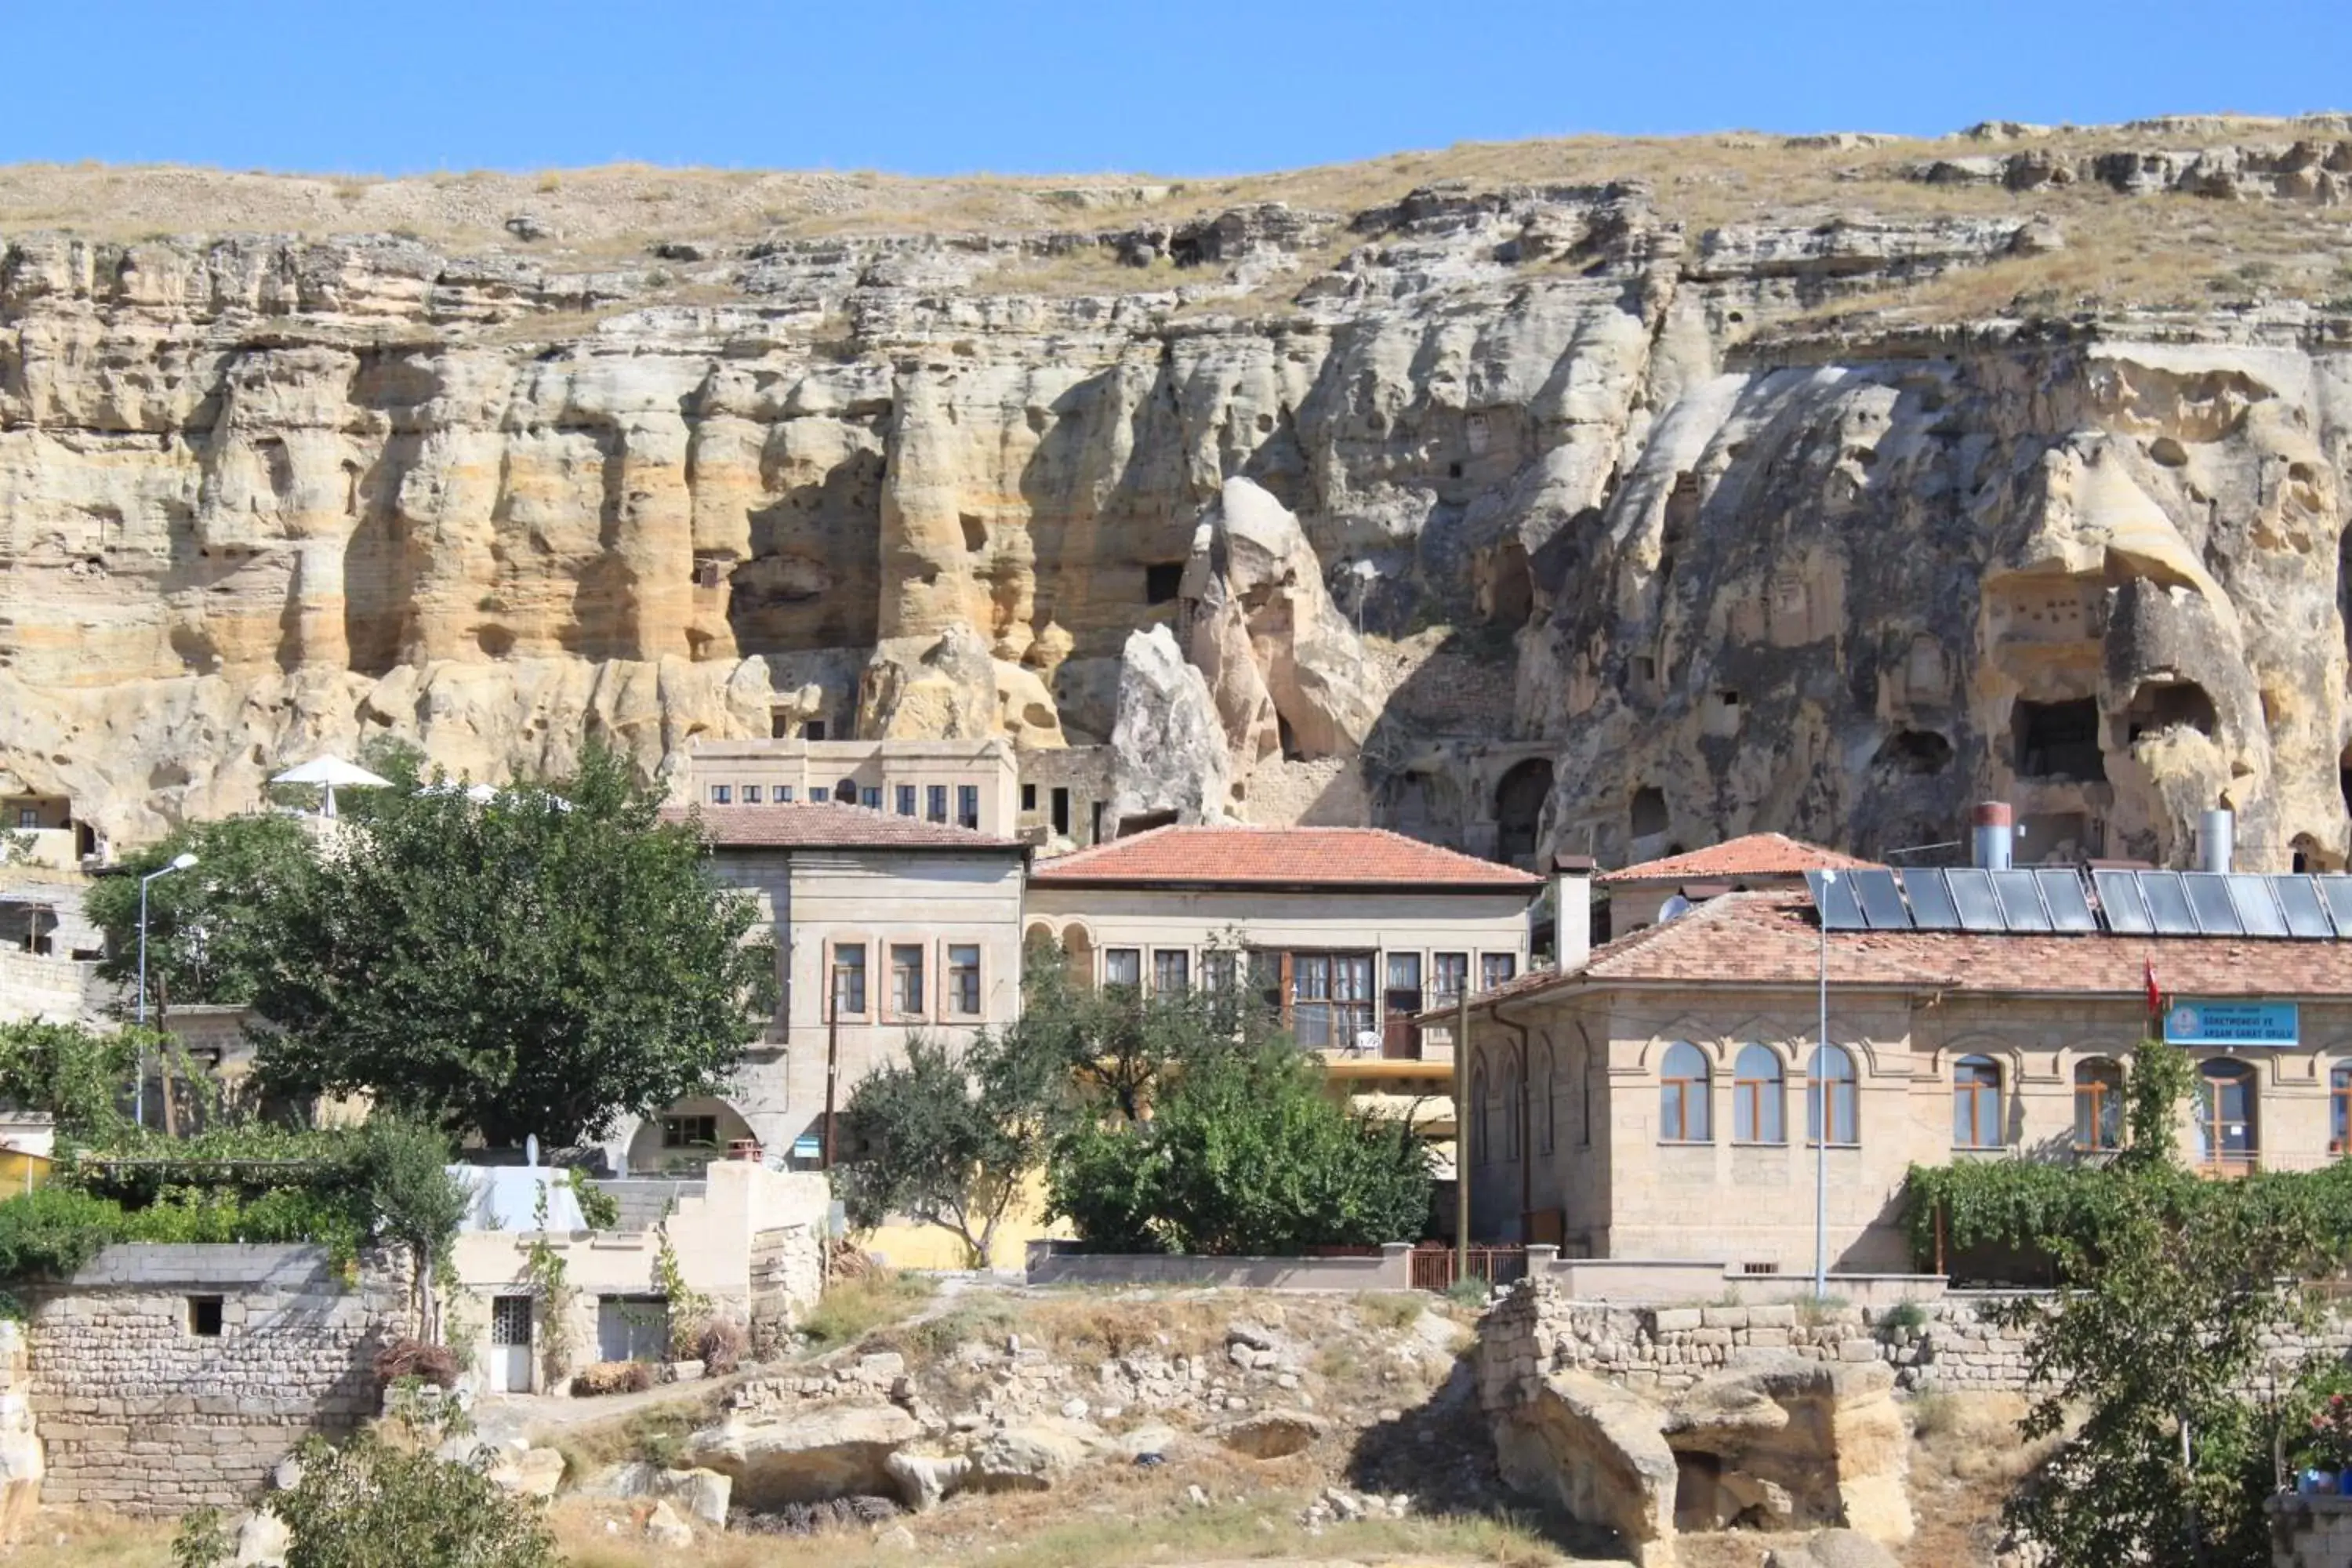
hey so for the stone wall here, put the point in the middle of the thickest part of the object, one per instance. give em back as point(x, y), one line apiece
point(1942, 1346)
point(142, 1414)
point(21, 1465)
point(2311, 1532)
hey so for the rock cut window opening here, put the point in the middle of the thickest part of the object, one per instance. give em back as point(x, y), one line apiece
point(204, 1314)
point(1162, 580)
point(1648, 815)
point(2169, 704)
point(1915, 753)
point(2058, 740)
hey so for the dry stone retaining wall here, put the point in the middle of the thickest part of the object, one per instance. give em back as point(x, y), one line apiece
point(143, 1415)
point(1536, 1331)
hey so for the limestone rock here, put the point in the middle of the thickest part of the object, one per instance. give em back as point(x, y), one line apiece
point(262, 1540)
point(923, 1479)
point(1269, 1433)
point(806, 1455)
point(1833, 1548)
point(1169, 750)
point(1032, 1455)
point(664, 1528)
point(529, 1472)
point(1597, 1451)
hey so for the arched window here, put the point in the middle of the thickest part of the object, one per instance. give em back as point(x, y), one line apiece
point(1482, 1146)
point(2339, 1105)
point(1683, 1096)
point(1976, 1103)
point(1514, 1102)
point(1830, 1077)
point(2098, 1106)
point(1546, 1087)
point(1759, 1108)
point(2229, 1133)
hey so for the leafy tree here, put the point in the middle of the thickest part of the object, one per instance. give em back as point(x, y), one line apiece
point(538, 964)
point(2150, 1357)
point(68, 1072)
point(211, 930)
point(1244, 1153)
point(951, 1139)
point(1119, 1043)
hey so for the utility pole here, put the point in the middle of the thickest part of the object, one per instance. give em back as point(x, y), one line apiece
point(1462, 1129)
point(139, 1073)
point(1822, 1119)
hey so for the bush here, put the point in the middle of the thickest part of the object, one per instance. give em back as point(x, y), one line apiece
point(611, 1377)
point(435, 1365)
point(1244, 1154)
point(720, 1346)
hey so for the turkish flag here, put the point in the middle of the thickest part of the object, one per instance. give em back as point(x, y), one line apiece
point(2154, 997)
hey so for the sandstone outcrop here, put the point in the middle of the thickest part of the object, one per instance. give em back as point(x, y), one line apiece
point(1727, 524)
point(1169, 759)
point(809, 1457)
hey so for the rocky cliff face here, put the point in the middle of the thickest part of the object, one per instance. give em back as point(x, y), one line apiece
point(1512, 513)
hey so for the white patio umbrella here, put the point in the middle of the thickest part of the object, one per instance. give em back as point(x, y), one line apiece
point(331, 774)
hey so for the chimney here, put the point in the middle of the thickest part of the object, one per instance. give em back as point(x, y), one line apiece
point(1992, 838)
point(1572, 911)
point(2216, 835)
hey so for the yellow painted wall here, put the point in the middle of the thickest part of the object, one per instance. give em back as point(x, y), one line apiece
point(904, 1244)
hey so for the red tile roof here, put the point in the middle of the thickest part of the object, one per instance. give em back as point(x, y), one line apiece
point(1735, 859)
point(1770, 939)
point(1278, 856)
point(825, 825)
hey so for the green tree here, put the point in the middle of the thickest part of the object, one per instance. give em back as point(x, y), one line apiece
point(951, 1139)
point(2150, 1357)
point(1244, 1153)
point(71, 1073)
point(538, 964)
point(212, 929)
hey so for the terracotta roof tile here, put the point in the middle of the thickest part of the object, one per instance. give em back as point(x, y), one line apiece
point(1755, 855)
point(825, 825)
point(1278, 856)
point(1770, 939)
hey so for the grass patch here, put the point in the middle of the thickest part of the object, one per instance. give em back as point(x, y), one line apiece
point(852, 1309)
point(92, 1541)
point(1390, 1312)
point(983, 1317)
point(656, 1435)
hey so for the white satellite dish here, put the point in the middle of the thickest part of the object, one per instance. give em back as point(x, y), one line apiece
point(1673, 909)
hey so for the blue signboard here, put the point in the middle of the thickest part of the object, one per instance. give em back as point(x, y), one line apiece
point(2198, 1022)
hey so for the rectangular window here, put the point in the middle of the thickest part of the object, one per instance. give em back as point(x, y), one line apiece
point(1219, 970)
point(870, 798)
point(849, 979)
point(1400, 1000)
point(1028, 797)
point(1447, 972)
point(1330, 999)
point(721, 795)
point(907, 979)
point(812, 730)
point(963, 979)
point(28, 817)
point(750, 794)
point(1495, 969)
point(935, 802)
point(1123, 966)
point(690, 1131)
point(1062, 810)
point(967, 806)
point(1172, 971)
point(906, 800)
point(1266, 979)
point(784, 795)
point(205, 1316)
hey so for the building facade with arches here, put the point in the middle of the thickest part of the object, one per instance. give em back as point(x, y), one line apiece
point(1665, 1101)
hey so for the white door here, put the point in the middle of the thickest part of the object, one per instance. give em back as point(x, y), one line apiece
point(511, 1343)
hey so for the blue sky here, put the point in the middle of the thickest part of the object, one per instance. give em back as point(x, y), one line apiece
point(1180, 87)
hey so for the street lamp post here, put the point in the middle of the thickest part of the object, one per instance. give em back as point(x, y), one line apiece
point(139, 1073)
point(1821, 1116)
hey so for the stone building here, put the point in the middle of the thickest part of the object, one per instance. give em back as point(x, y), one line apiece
point(972, 784)
point(1755, 862)
point(886, 926)
point(170, 1377)
point(1659, 1101)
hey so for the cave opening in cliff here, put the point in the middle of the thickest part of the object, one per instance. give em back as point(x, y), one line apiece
point(1917, 753)
point(1519, 811)
point(1648, 816)
point(1162, 581)
point(2169, 704)
point(2058, 740)
point(1512, 597)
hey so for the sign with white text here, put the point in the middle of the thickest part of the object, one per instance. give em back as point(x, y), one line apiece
point(2200, 1022)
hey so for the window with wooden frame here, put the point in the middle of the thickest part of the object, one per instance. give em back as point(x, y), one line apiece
point(1976, 1103)
point(906, 800)
point(750, 794)
point(1759, 1097)
point(1220, 970)
point(963, 979)
point(1495, 969)
point(1448, 972)
point(1685, 1088)
point(1123, 966)
point(690, 1131)
point(1171, 971)
point(967, 806)
point(2229, 1133)
point(722, 795)
point(1330, 999)
point(1830, 1085)
point(935, 802)
point(906, 994)
point(2339, 1110)
point(848, 965)
point(2099, 1106)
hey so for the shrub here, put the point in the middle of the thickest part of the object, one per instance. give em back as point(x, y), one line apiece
point(1904, 1315)
point(721, 1345)
point(851, 1308)
point(613, 1377)
point(435, 1365)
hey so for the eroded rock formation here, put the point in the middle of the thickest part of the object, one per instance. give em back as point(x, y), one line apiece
point(1523, 515)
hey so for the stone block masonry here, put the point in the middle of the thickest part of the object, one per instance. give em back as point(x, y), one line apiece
point(166, 1378)
point(1947, 1346)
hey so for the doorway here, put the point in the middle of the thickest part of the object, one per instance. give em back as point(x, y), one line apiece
point(511, 1343)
